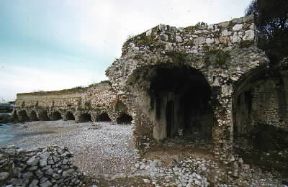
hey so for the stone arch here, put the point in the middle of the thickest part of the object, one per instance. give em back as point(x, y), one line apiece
point(177, 100)
point(69, 116)
point(260, 121)
point(124, 118)
point(43, 115)
point(85, 117)
point(103, 117)
point(33, 116)
point(22, 116)
point(56, 115)
point(242, 99)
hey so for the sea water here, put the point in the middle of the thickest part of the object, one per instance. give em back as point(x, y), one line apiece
point(6, 134)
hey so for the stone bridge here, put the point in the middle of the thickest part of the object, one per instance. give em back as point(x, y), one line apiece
point(98, 102)
point(206, 83)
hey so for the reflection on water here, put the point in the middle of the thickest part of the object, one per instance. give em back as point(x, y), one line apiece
point(5, 133)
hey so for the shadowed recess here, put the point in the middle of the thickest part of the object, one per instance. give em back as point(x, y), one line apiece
point(56, 116)
point(180, 96)
point(33, 116)
point(179, 99)
point(124, 119)
point(85, 117)
point(22, 116)
point(260, 118)
point(69, 116)
point(103, 117)
point(43, 116)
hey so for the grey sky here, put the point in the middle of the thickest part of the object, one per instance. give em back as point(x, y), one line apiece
point(48, 45)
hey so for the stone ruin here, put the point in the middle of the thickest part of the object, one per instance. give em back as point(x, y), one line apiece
point(206, 84)
point(98, 102)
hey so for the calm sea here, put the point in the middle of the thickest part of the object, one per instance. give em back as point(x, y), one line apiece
point(6, 134)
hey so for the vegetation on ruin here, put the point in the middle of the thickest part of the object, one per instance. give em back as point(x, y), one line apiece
point(140, 40)
point(78, 89)
point(197, 26)
point(246, 43)
point(201, 25)
point(120, 106)
point(217, 56)
point(177, 56)
point(271, 18)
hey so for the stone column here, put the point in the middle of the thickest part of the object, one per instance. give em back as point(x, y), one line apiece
point(77, 116)
point(223, 127)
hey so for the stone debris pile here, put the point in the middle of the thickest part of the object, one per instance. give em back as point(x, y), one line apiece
point(203, 172)
point(188, 172)
point(42, 167)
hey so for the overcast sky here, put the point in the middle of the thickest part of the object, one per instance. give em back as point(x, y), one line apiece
point(56, 44)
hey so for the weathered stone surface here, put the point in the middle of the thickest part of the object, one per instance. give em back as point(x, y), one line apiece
point(237, 27)
point(249, 35)
point(4, 176)
point(33, 161)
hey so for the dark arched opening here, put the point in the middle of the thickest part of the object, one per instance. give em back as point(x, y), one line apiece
point(180, 97)
point(22, 116)
point(103, 117)
point(179, 101)
point(124, 119)
point(33, 116)
point(85, 117)
point(260, 118)
point(43, 116)
point(56, 116)
point(69, 116)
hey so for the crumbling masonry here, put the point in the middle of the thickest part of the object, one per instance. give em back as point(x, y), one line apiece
point(97, 102)
point(204, 83)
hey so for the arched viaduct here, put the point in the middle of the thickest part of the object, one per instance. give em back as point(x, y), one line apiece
point(98, 102)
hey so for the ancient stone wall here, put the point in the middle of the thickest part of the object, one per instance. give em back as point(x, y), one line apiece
point(222, 53)
point(81, 104)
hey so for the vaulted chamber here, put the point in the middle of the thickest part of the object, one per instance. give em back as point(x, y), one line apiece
point(179, 101)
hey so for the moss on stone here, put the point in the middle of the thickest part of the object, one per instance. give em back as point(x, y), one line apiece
point(197, 26)
point(201, 25)
point(217, 56)
point(245, 44)
point(177, 56)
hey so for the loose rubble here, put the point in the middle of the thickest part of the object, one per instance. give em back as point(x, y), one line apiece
point(42, 167)
point(204, 172)
point(105, 155)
